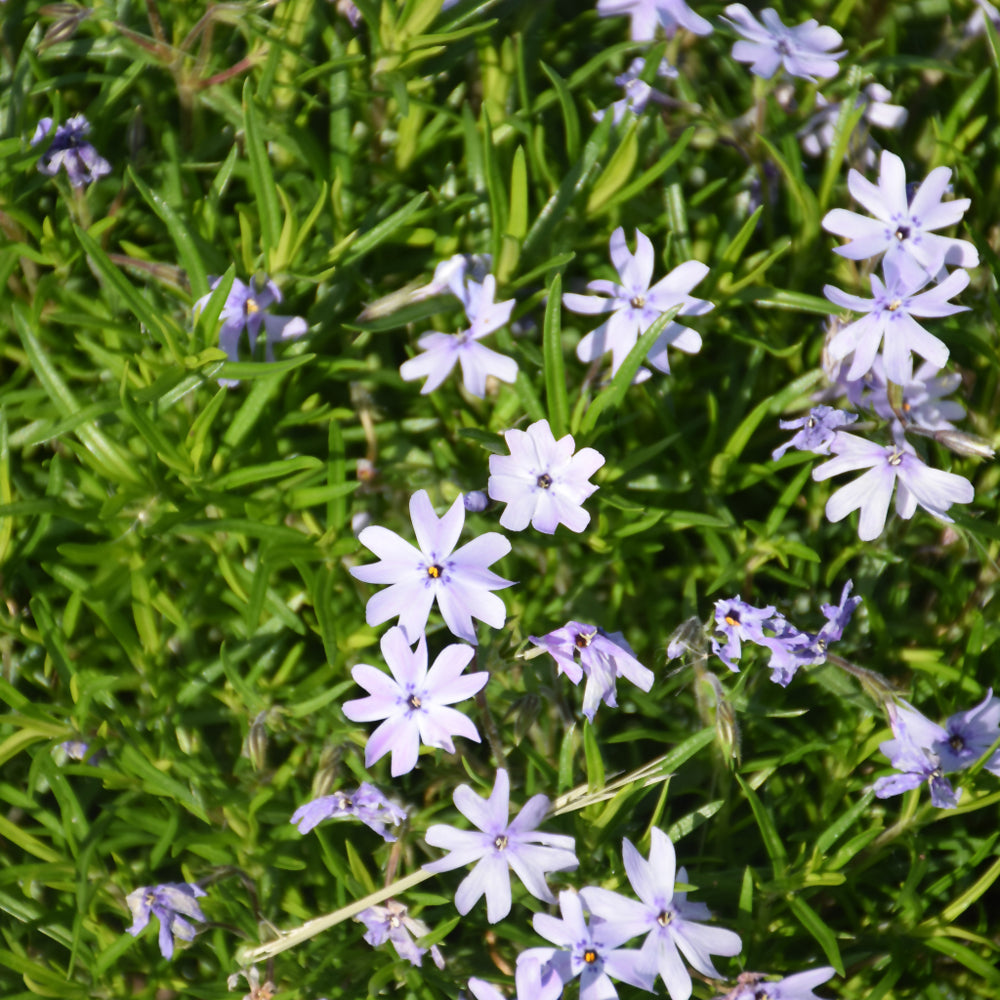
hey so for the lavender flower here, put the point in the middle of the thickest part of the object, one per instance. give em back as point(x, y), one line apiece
point(501, 845)
point(737, 621)
point(591, 952)
point(890, 315)
point(532, 981)
point(458, 580)
point(910, 752)
point(815, 432)
point(802, 50)
point(918, 485)
point(413, 701)
point(171, 903)
point(441, 351)
point(603, 657)
point(392, 923)
point(647, 14)
point(635, 306)
point(820, 131)
point(367, 804)
point(668, 920)
point(638, 93)
point(246, 308)
point(542, 481)
point(70, 151)
point(903, 227)
point(922, 403)
point(756, 986)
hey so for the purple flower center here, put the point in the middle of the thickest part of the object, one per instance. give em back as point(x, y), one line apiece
point(582, 640)
point(664, 918)
point(732, 619)
point(896, 458)
point(637, 301)
point(894, 305)
point(590, 956)
point(544, 481)
point(956, 742)
point(413, 702)
point(500, 842)
point(783, 47)
point(251, 307)
point(902, 233)
point(434, 571)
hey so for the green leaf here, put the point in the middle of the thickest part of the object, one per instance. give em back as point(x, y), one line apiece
point(261, 177)
point(612, 179)
point(555, 372)
point(813, 923)
point(765, 823)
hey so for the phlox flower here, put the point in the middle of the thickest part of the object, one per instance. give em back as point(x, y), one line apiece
point(367, 804)
point(393, 923)
point(889, 315)
point(414, 700)
point(458, 580)
point(903, 227)
point(532, 981)
point(580, 649)
point(923, 404)
point(671, 924)
point(246, 308)
point(500, 845)
point(635, 306)
point(647, 14)
point(174, 904)
point(756, 986)
point(738, 621)
point(591, 951)
point(638, 93)
point(896, 465)
point(441, 351)
point(803, 50)
point(820, 131)
point(814, 432)
point(541, 481)
point(70, 151)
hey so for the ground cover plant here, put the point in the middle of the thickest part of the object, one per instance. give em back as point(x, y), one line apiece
point(498, 499)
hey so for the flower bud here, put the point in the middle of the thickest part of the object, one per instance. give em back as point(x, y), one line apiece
point(964, 444)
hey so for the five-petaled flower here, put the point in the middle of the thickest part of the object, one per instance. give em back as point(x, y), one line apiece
point(591, 951)
point(803, 50)
point(903, 227)
point(890, 315)
point(666, 917)
point(70, 151)
point(500, 845)
point(895, 465)
point(541, 481)
point(393, 923)
point(757, 986)
point(367, 804)
point(635, 306)
point(441, 351)
point(414, 701)
point(174, 904)
point(458, 579)
point(814, 432)
point(647, 14)
point(580, 649)
point(246, 308)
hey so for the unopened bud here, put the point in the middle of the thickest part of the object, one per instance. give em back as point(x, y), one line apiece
point(476, 501)
point(964, 444)
point(329, 764)
point(688, 637)
point(526, 711)
point(256, 746)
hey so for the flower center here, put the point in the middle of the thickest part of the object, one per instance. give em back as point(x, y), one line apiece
point(784, 48)
point(544, 481)
point(637, 301)
point(394, 921)
point(902, 233)
point(590, 956)
point(434, 571)
point(583, 639)
point(896, 458)
point(413, 702)
point(500, 842)
point(894, 305)
point(811, 422)
point(252, 307)
point(732, 619)
point(956, 742)
point(664, 918)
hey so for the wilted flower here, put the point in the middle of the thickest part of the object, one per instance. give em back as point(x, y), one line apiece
point(246, 308)
point(414, 700)
point(920, 403)
point(541, 481)
point(890, 316)
point(888, 465)
point(815, 432)
point(647, 14)
point(591, 951)
point(603, 657)
point(668, 920)
point(458, 580)
point(803, 50)
point(70, 151)
point(903, 226)
point(635, 306)
point(367, 804)
point(500, 845)
point(393, 923)
point(173, 904)
point(441, 351)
